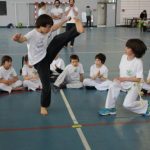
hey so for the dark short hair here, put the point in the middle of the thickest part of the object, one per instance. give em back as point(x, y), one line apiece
point(57, 1)
point(74, 57)
point(101, 57)
point(43, 21)
point(6, 58)
point(26, 58)
point(41, 4)
point(138, 47)
point(73, 1)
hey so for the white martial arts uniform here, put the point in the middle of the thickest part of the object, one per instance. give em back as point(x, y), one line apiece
point(71, 76)
point(128, 68)
point(32, 84)
point(6, 75)
point(42, 11)
point(146, 86)
point(56, 12)
point(59, 62)
point(99, 84)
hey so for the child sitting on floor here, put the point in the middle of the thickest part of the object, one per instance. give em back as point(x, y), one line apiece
point(30, 76)
point(8, 78)
point(56, 68)
point(98, 75)
point(72, 76)
point(146, 85)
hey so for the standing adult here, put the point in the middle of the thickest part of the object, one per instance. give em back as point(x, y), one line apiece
point(42, 8)
point(56, 14)
point(143, 15)
point(71, 11)
point(88, 16)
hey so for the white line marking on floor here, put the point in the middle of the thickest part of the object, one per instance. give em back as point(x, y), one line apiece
point(123, 40)
point(80, 132)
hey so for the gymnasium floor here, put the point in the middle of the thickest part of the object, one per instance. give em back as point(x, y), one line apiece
point(73, 122)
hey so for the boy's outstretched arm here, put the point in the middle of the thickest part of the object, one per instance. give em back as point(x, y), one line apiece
point(58, 25)
point(19, 38)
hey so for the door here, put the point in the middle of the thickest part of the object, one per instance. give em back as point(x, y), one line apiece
point(101, 16)
point(111, 12)
point(31, 14)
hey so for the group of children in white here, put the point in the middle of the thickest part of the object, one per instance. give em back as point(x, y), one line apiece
point(36, 70)
point(71, 76)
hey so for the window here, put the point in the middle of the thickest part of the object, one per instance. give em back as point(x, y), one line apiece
point(3, 9)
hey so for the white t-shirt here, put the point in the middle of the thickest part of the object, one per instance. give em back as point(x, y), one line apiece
point(7, 74)
point(130, 68)
point(103, 71)
point(37, 44)
point(148, 77)
point(56, 11)
point(57, 62)
point(71, 14)
point(41, 12)
point(27, 71)
point(73, 73)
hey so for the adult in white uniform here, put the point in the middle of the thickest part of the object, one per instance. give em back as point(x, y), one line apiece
point(56, 14)
point(71, 11)
point(42, 8)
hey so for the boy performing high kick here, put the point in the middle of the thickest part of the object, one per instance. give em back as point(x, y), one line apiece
point(41, 54)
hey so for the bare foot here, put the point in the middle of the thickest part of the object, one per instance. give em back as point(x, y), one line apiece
point(44, 111)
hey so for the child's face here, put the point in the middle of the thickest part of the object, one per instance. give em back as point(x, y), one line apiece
point(98, 62)
point(7, 65)
point(128, 51)
point(75, 62)
point(45, 30)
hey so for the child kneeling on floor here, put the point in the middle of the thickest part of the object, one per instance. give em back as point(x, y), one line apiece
point(131, 74)
point(8, 77)
point(72, 76)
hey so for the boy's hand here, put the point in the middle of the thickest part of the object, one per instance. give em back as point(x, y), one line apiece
point(16, 37)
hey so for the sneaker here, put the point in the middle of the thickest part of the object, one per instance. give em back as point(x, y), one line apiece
point(148, 110)
point(107, 111)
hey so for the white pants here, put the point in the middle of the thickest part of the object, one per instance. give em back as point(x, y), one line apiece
point(75, 84)
point(101, 86)
point(32, 85)
point(131, 101)
point(9, 88)
point(69, 84)
point(146, 87)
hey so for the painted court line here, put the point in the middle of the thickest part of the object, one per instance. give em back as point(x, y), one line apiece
point(97, 124)
point(81, 135)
